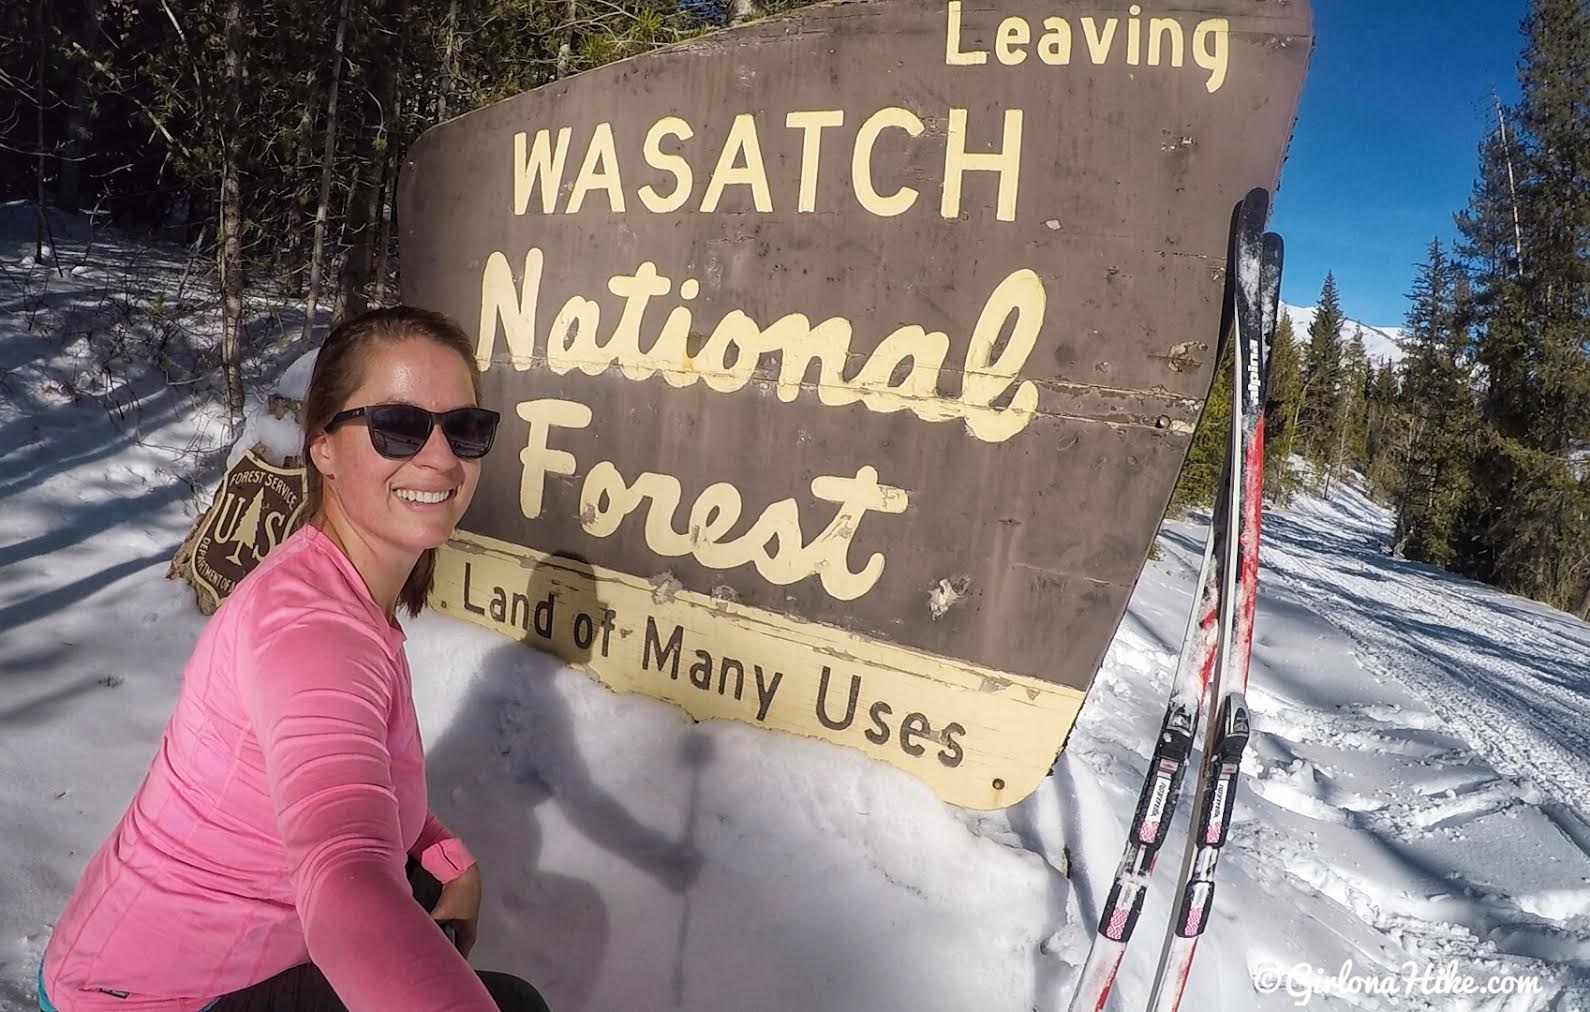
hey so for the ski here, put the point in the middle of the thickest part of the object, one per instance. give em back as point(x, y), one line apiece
point(1226, 738)
point(1167, 767)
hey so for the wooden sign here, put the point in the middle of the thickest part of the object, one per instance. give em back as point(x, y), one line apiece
point(253, 511)
point(847, 359)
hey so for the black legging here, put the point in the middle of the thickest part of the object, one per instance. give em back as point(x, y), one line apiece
point(303, 988)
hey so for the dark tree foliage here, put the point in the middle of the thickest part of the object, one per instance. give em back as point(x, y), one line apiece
point(1199, 480)
point(1320, 417)
point(1526, 244)
point(207, 120)
point(1280, 412)
point(1439, 406)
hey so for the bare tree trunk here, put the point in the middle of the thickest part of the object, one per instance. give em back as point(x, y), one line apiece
point(383, 238)
point(44, 48)
point(303, 140)
point(352, 296)
point(566, 47)
point(358, 263)
point(69, 182)
point(328, 155)
point(397, 141)
point(449, 44)
point(231, 244)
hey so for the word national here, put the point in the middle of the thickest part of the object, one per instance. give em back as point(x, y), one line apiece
point(901, 374)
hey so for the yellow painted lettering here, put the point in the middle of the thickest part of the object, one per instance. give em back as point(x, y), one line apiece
point(954, 56)
point(605, 500)
point(917, 392)
point(675, 165)
point(637, 290)
point(739, 164)
point(828, 343)
point(503, 301)
point(1210, 44)
point(542, 166)
point(714, 514)
point(829, 551)
point(599, 171)
point(1099, 45)
point(1160, 29)
point(1054, 48)
point(1013, 32)
point(1021, 294)
point(900, 200)
point(774, 544)
point(958, 161)
point(538, 458)
point(811, 123)
point(571, 340)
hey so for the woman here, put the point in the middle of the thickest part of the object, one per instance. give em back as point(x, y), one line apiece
point(262, 862)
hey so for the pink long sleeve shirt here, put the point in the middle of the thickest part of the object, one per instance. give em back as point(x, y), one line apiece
point(273, 824)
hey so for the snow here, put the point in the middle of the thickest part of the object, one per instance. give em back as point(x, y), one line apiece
point(1381, 344)
point(1415, 794)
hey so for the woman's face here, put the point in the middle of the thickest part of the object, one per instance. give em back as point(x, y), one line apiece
point(377, 496)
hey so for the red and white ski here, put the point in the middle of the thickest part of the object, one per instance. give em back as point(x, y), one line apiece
point(1226, 738)
point(1254, 259)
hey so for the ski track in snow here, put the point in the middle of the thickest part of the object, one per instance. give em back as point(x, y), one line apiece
point(1529, 720)
point(1510, 690)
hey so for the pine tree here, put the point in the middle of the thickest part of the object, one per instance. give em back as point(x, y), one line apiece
point(1319, 414)
point(1348, 453)
point(1439, 399)
point(1199, 480)
point(1385, 427)
point(1280, 429)
point(245, 533)
point(1526, 232)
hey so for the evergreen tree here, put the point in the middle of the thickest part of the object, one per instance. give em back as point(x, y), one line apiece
point(1439, 399)
point(245, 533)
point(1199, 480)
point(1348, 453)
point(1285, 388)
point(1319, 414)
point(1385, 427)
point(1527, 240)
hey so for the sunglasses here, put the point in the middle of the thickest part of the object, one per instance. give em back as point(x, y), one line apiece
point(397, 431)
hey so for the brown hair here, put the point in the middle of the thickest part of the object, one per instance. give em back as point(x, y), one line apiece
point(339, 370)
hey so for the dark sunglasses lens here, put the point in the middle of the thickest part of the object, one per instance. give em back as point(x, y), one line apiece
point(398, 430)
point(470, 431)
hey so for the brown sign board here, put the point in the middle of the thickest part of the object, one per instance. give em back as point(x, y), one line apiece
point(859, 347)
point(253, 511)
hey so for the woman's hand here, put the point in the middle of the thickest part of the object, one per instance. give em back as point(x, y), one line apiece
point(459, 906)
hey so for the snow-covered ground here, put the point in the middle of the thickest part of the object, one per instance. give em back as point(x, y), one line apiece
point(1415, 796)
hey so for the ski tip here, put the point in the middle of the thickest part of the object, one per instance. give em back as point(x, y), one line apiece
point(1256, 204)
point(1275, 248)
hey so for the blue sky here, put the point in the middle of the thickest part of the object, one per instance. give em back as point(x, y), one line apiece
point(1397, 98)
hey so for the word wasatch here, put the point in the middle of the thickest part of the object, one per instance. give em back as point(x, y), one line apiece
point(539, 164)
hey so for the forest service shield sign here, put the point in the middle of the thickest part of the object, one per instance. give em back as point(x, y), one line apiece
point(253, 512)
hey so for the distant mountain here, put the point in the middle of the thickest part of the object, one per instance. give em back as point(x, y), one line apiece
point(1379, 342)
